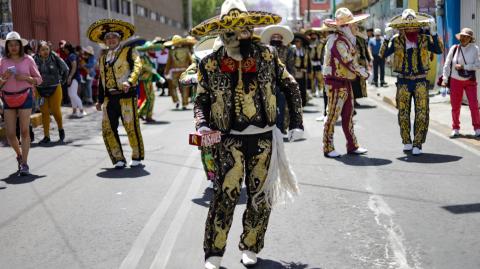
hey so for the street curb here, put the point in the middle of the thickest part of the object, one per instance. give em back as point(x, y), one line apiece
point(35, 119)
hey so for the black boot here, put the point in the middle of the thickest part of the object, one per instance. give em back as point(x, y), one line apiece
point(45, 140)
point(61, 133)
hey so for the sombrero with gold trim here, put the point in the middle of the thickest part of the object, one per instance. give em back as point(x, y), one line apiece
point(410, 19)
point(234, 16)
point(318, 30)
point(97, 31)
point(149, 45)
point(180, 41)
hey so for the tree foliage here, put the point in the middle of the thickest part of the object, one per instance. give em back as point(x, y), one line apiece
point(204, 9)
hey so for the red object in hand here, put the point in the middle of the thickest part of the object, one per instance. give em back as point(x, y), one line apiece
point(205, 139)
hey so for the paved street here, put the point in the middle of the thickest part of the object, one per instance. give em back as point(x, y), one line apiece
point(382, 210)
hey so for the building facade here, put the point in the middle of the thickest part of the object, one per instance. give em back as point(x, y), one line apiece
point(314, 12)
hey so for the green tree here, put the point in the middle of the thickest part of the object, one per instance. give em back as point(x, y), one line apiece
point(204, 9)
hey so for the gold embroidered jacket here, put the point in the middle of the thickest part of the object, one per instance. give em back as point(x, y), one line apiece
point(126, 67)
point(413, 61)
point(179, 59)
point(340, 61)
point(232, 99)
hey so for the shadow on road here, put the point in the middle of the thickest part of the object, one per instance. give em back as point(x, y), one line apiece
point(359, 160)
point(16, 179)
point(311, 111)
point(123, 173)
point(365, 107)
point(156, 122)
point(51, 144)
point(208, 195)
point(430, 158)
point(463, 209)
point(269, 264)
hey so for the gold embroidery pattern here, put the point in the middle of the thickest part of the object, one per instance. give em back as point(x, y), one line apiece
point(211, 65)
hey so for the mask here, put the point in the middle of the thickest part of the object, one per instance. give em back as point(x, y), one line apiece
point(245, 47)
point(276, 43)
point(412, 36)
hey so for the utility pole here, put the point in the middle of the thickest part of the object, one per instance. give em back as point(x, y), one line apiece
point(189, 14)
point(132, 12)
point(308, 11)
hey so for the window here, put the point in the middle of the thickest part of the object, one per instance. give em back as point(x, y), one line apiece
point(179, 25)
point(101, 3)
point(88, 2)
point(126, 8)
point(140, 10)
point(154, 16)
point(169, 22)
point(162, 19)
point(399, 3)
point(319, 1)
point(115, 6)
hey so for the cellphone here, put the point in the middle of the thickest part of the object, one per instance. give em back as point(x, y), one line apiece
point(12, 69)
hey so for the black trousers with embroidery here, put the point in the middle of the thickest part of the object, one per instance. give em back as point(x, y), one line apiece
point(239, 157)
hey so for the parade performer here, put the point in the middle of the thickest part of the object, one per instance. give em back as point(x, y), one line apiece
point(340, 68)
point(302, 64)
point(411, 58)
point(280, 38)
point(179, 59)
point(236, 96)
point(364, 59)
point(120, 68)
point(148, 76)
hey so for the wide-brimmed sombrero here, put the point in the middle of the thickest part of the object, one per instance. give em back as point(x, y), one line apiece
point(303, 37)
point(180, 41)
point(159, 39)
point(234, 16)
point(410, 19)
point(319, 30)
point(282, 30)
point(149, 45)
point(206, 46)
point(97, 31)
point(344, 16)
point(135, 42)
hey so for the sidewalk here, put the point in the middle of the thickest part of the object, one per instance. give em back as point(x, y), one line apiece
point(440, 111)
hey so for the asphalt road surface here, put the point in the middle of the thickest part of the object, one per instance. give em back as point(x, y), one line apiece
point(382, 210)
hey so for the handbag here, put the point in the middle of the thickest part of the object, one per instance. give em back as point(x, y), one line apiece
point(466, 73)
point(16, 99)
point(440, 78)
point(46, 91)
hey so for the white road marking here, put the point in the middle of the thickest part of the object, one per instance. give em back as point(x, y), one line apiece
point(163, 254)
point(138, 248)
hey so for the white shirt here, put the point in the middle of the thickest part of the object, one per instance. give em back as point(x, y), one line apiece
point(472, 57)
point(162, 56)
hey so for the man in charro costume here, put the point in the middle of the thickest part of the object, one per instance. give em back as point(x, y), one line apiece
point(364, 59)
point(236, 96)
point(120, 67)
point(340, 68)
point(179, 59)
point(411, 58)
point(280, 37)
point(148, 77)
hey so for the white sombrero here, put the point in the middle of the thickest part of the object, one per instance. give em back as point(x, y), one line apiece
point(206, 46)
point(282, 30)
point(344, 16)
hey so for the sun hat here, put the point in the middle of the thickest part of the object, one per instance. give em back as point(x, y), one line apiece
point(13, 36)
point(180, 41)
point(466, 32)
point(234, 16)
point(89, 50)
point(377, 31)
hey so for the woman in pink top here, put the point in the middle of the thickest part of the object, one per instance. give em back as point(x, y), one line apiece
point(18, 74)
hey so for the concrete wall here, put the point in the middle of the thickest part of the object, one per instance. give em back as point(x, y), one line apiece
point(89, 14)
point(149, 28)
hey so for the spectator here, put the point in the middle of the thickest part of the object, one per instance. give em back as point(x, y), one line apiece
point(460, 66)
point(73, 82)
point(88, 65)
point(374, 45)
point(54, 71)
point(19, 74)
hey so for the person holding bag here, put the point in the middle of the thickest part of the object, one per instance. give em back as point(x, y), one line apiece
point(459, 70)
point(54, 72)
point(19, 74)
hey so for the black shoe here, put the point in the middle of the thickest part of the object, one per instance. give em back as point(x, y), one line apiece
point(383, 84)
point(376, 84)
point(61, 133)
point(45, 140)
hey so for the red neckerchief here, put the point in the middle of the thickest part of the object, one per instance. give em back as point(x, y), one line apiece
point(152, 54)
point(229, 65)
point(412, 37)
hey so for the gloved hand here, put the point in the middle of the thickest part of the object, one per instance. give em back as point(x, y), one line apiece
point(389, 33)
point(295, 134)
point(203, 129)
point(364, 73)
point(433, 27)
